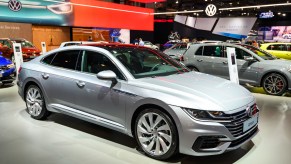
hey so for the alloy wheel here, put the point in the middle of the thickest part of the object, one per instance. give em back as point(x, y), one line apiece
point(274, 84)
point(154, 134)
point(34, 101)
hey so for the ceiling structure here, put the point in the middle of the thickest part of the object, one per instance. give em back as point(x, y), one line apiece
point(189, 6)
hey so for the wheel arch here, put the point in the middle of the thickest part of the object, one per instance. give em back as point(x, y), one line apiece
point(151, 103)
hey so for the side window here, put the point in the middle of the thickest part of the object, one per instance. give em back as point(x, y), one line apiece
point(94, 62)
point(216, 51)
point(48, 59)
point(199, 51)
point(66, 59)
point(277, 47)
point(241, 54)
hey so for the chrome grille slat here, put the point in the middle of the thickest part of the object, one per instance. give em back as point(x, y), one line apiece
point(235, 127)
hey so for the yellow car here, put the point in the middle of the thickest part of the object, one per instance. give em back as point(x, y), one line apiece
point(280, 50)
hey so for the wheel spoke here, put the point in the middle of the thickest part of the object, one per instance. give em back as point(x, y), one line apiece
point(158, 120)
point(165, 136)
point(145, 123)
point(150, 146)
point(163, 144)
point(145, 139)
point(150, 116)
point(158, 149)
point(164, 127)
point(142, 130)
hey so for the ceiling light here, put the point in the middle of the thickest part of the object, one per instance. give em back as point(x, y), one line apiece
point(283, 14)
point(256, 6)
point(279, 13)
point(177, 1)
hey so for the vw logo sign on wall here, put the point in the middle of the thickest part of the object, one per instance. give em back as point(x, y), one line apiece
point(210, 10)
point(14, 5)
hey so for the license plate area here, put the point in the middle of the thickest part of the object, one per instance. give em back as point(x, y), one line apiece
point(248, 124)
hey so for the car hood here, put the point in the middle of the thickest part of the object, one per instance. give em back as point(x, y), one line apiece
point(197, 90)
point(4, 61)
point(278, 62)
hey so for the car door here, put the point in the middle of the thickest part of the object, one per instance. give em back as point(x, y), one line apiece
point(247, 70)
point(101, 98)
point(215, 60)
point(59, 78)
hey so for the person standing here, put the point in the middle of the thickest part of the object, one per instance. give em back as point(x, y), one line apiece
point(140, 43)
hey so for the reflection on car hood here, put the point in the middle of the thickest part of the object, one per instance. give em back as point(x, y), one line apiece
point(37, 2)
point(198, 90)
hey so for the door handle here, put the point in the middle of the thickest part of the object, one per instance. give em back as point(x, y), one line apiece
point(45, 76)
point(80, 84)
point(225, 62)
point(199, 60)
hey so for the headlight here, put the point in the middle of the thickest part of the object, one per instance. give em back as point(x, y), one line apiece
point(63, 8)
point(11, 65)
point(204, 115)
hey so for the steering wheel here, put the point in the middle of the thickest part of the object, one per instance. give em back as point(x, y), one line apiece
point(155, 66)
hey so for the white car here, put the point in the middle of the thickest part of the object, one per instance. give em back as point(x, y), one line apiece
point(150, 45)
point(73, 43)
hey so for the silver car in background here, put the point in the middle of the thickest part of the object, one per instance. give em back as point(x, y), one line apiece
point(177, 50)
point(255, 66)
point(144, 94)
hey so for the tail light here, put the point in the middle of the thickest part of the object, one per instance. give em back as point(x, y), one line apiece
point(19, 70)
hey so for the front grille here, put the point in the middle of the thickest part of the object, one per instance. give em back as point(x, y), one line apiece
point(244, 138)
point(237, 119)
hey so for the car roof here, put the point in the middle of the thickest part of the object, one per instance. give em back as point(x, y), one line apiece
point(116, 45)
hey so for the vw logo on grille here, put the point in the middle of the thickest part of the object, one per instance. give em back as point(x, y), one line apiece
point(14, 5)
point(210, 10)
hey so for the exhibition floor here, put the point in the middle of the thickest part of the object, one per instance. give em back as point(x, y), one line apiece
point(66, 140)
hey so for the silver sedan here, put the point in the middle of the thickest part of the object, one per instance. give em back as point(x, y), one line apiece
point(143, 93)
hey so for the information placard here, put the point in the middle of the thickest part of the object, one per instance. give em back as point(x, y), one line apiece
point(43, 47)
point(18, 58)
point(232, 65)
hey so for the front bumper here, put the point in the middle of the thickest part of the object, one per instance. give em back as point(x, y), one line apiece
point(7, 76)
point(201, 138)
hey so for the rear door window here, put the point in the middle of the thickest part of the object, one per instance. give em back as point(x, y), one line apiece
point(66, 59)
point(277, 47)
point(215, 51)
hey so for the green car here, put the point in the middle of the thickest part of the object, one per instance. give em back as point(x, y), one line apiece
point(280, 50)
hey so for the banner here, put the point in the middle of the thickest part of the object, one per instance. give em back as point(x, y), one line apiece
point(89, 13)
point(234, 27)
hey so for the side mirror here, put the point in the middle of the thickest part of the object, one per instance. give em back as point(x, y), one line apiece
point(249, 59)
point(107, 75)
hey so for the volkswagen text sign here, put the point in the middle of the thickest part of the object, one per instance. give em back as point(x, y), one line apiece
point(210, 10)
point(14, 5)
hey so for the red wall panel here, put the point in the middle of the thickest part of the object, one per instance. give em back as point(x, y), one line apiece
point(92, 13)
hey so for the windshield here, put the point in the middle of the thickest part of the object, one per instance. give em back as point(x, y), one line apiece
point(146, 63)
point(263, 54)
point(25, 43)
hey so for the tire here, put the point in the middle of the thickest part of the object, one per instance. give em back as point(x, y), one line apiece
point(35, 103)
point(274, 84)
point(158, 138)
